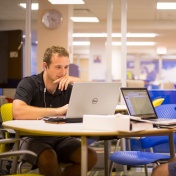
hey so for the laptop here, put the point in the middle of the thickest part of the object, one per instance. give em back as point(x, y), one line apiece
point(91, 98)
point(140, 106)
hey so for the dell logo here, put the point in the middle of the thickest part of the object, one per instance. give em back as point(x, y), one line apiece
point(95, 100)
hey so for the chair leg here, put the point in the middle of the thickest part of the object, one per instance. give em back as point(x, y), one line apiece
point(19, 168)
point(146, 171)
point(111, 162)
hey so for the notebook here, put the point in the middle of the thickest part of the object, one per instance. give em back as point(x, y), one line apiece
point(91, 98)
point(140, 106)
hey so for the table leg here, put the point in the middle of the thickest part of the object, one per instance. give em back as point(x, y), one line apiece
point(172, 145)
point(15, 158)
point(83, 156)
point(107, 145)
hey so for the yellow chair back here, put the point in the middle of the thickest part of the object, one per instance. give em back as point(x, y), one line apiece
point(6, 115)
point(6, 112)
point(158, 102)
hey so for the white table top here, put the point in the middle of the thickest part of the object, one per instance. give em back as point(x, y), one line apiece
point(40, 127)
point(73, 129)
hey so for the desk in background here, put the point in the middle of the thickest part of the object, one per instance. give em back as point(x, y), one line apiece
point(122, 109)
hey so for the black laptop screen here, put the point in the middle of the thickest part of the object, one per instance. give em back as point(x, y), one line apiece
point(138, 102)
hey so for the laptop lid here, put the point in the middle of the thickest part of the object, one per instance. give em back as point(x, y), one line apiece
point(139, 103)
point(96, 98)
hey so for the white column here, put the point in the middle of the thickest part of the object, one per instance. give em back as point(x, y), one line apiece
point(160, 72)
point(27, 58)
point(109, 41)
point(70, 32)
point(123, 57)
point(123, 40)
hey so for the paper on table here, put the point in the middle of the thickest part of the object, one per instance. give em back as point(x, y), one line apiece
point(139, 126)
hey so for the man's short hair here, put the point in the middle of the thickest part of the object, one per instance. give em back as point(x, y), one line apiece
point(61, 51)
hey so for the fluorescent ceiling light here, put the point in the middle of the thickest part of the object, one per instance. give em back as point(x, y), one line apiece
point(81, 43)
point(76, 43)
point(66, 1)
point(85, 19)
point(166, 5)
point(141, 35)
point(34, 6)
point(150, 35)
point(89, 35)
point(135, 43)
point(87, 43)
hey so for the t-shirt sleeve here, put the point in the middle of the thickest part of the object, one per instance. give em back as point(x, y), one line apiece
point(25, 90)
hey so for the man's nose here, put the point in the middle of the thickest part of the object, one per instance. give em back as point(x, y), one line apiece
point(63, 70)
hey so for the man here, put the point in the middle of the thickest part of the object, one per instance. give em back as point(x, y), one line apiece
point(47, 94)
point(167, 169)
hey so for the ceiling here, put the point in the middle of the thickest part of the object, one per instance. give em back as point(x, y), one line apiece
point(142, 17)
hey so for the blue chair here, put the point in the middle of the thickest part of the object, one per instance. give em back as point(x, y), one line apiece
point(140, 158)
point(166, 111)
point(136, 158)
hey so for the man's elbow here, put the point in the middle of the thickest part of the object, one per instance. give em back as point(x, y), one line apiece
point(18, 109)
point(16, 115)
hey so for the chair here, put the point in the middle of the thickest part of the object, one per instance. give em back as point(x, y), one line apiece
point(139, 158)
point(12, 154)
point(6, 115)
point(158, 102)
point(166, 111)
point(6, 112)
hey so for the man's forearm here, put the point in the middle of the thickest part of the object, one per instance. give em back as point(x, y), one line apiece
point(27, 112)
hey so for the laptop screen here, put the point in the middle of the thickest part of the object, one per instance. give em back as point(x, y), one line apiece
point(138, 102)
point(95, 98)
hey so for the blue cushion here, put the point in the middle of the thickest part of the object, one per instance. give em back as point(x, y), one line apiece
point(136, 157)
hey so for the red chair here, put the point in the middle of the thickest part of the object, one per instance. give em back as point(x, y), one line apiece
point(9, 100)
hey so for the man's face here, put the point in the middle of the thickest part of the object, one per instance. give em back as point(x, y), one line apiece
point(58, 68)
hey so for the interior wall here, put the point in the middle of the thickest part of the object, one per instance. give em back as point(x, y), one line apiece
point(48, 37)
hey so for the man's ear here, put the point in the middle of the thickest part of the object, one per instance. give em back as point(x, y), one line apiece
point(45, 65)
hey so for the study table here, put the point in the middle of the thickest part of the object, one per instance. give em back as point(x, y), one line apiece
point(39, 127)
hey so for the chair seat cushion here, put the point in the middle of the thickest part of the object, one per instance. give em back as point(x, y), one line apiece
point(136, 157)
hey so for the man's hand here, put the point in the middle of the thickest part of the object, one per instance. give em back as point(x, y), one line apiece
point(65, 80)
